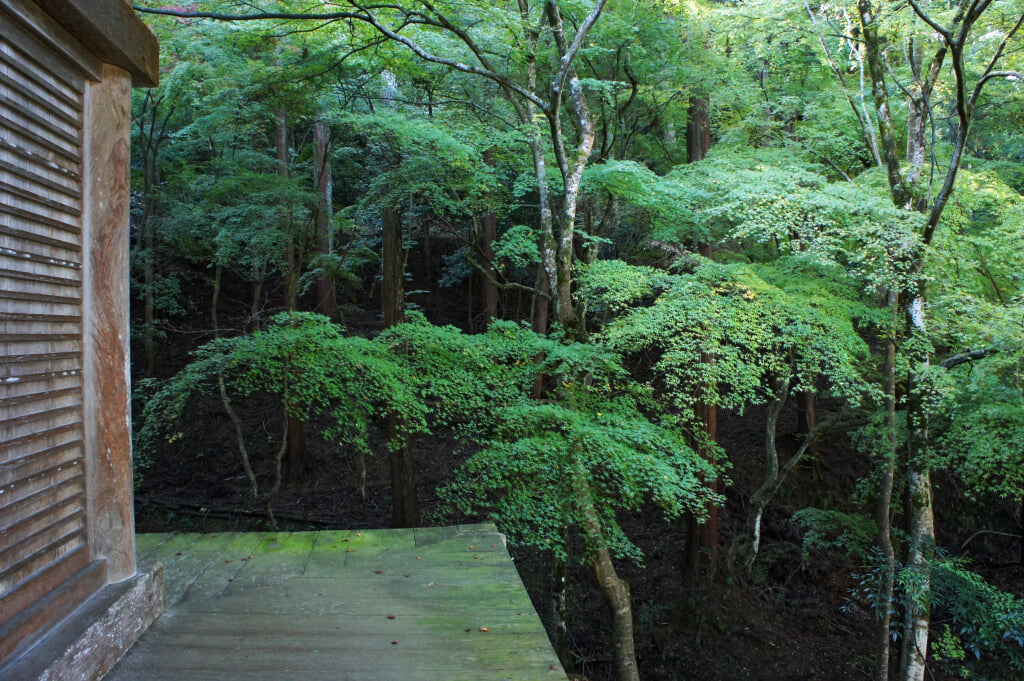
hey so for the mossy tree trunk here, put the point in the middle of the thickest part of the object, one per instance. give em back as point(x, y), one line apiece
point(614, 589)
point(883, 505)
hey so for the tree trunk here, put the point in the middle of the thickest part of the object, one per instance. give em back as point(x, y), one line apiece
point(540, 326)
point(148, 305)
point(876, 69)
point(708, 414)
point(560, 609)
point(297, 459)
point(297, 464)
point(428, 258)
point(490, 291)
point(702, 538)
point(698, 129)
point(805, 412)
point(744, 551)
point(392, 297)
point(614, 589)
point(405, 507)
point(883, 505)
point(257, 297)
point(750, 542)
point(326, 303)
point(919, 516)
point(405, 504)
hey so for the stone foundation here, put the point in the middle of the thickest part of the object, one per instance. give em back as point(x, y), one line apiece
point(86, 645)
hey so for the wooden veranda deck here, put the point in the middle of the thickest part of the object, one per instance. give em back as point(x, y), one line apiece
point(437, 604)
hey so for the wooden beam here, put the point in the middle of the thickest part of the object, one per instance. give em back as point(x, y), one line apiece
point(105, 307)
point(110, 30)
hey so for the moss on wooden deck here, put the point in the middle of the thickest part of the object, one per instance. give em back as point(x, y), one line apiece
point(437, 604)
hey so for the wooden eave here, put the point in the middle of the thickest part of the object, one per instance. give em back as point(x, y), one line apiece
point(111, 31)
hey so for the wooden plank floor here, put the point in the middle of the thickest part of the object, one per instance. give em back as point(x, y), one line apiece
point(431, 604)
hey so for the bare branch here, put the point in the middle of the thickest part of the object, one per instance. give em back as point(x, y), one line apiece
point(965, 357)
point(931, 22)
point(366, 16)
point(219, 16)
point(577, 43)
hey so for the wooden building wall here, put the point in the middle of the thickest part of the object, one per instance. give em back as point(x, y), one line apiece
point(65, 451)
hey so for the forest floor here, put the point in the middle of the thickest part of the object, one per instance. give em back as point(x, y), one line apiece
point(793, 620)
point(788, 623)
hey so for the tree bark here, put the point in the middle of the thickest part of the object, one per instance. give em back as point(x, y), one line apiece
point(540, 326)
point(876, 68)
point(560, 609)
point(393, 276)
point(702, 538)
point(698, 129)
point(614, 589)
point(405, 506)
point(883, 505)
point(490, 291)
point(805, 412)
point(487, 237)
point(708, 413)
point(750, 543)
point(326, 303)
point(744, 551)
point(297, 459)
point(919, 516)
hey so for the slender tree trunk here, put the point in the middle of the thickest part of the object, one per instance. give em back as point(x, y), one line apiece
point(750, 542)
point(708, 414)
point(257, 297)
point(405, 507)
point(745, 549)
point(698, 129)
point(883, 506)
point(297, 462)
point(326, 303)
point(488, 235)
point(148, 305)
point(490, 291)
point(805, 410)
point(393, 277)
point(236, 422)
point(149, 246)
point(876, 69)
point(540, 326)
point(702, 538)
point(920, 521)
point(614, 589)
point(560, 609)
point(428, 258)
